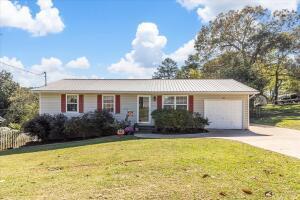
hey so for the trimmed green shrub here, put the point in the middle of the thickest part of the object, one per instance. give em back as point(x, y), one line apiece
point(58, 127)
point(92, 124)
point(178, 121)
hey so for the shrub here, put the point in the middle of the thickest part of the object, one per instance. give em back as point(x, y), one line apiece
point(178, 121)
point(47, 127)
point(59, 127)
point(92, 124)
point(39, 126)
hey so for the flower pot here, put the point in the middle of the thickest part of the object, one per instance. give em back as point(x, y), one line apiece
point(120, 132)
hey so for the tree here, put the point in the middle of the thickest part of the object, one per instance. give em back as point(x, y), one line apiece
point(278, 66)
point(167, 70)
point(190, 69)
point(228, 66)
point(8, 86)
point(23, 106)
point(238, 39)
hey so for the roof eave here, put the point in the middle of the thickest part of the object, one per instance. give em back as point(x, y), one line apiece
point(144, 92)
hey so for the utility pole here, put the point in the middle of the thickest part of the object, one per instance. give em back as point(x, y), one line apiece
point(45, 76)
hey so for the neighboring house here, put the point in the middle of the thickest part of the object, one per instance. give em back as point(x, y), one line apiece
point(224, 102)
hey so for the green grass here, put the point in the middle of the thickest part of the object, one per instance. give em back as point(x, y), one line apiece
point(286, 116)
point(131, 168)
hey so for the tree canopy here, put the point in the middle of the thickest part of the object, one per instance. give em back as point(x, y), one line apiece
point(17, 104)
point(251, 45)
point(8, 86)
point(167, 70)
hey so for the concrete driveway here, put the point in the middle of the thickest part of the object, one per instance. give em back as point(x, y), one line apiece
point(281, 140)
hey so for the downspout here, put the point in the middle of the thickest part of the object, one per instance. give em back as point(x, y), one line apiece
point(250, 97)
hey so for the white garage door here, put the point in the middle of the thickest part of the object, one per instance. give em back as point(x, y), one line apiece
point(224, 114)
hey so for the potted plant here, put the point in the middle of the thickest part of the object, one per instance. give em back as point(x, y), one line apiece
point(120, 132)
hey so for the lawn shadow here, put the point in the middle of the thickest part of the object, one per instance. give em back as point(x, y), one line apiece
point(69, 144)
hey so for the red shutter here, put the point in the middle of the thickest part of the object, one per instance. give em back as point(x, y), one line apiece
point(159, 102)
point(118, 102)
point(99, 102)
point(81, 102)
point(191, 103)
point(63, 103)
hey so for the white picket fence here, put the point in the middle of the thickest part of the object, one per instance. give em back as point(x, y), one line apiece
point(12, 139)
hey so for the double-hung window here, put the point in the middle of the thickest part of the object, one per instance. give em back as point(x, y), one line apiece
point(72, 103)
point(175, 102)
point(109, 103)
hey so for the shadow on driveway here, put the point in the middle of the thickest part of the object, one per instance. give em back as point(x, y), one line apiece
point(211, 134)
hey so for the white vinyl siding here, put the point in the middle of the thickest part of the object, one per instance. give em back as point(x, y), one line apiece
point(50, 103)
point(128, 102)
point(90, 102)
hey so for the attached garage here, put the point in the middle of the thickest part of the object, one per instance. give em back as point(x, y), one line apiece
point(224, 114)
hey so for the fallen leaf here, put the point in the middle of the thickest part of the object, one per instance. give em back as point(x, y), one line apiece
point(55, 168)
point(268, 193)
point(247, 191)
point(222, 194)
point(205, 176)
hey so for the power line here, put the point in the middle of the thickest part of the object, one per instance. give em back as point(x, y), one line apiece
point(44, 73)
point(3, 63)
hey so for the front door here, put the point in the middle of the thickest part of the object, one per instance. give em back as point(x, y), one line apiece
point(144, 103)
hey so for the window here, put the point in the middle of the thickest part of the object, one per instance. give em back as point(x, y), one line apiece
point(109, 103)
point(175, 102)
point(72, 103)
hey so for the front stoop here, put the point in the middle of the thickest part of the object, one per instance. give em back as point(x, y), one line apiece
point(146, 128)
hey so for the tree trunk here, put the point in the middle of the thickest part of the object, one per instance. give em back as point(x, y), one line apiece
point(276, 85)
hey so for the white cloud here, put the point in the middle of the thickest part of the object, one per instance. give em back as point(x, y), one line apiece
point(47, 20)
point(182, 53)
point(54, 67)
point(189, 4)
point(22, 77)
point(145, 55)
point(208, 9)
point(79, 63)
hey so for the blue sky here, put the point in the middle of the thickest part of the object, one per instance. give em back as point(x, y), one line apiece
point(103, 39)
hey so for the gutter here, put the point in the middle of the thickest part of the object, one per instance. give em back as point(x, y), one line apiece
point(253, 93)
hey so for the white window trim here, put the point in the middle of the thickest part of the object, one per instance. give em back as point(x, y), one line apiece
point(138, 109)
point(77, 103)
point(105, 95)
point(175, 103)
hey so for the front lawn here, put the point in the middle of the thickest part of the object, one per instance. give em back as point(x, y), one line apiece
point(131, 168)
point(286, 116)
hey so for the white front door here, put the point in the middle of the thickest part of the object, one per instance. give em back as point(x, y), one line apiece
point(144, 109)
point(224, 114)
